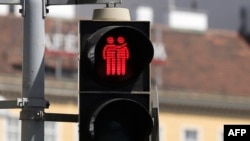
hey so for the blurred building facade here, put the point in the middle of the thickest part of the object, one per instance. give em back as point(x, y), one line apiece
point(222, 14)
point(202, 76)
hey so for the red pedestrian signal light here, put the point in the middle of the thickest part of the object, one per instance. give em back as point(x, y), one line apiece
point(117, 54)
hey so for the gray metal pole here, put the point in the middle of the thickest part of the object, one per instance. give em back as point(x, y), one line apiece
point(33, 70)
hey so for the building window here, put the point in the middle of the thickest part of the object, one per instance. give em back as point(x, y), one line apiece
point(76, 132)
point(13, 129)
point(145, 13)
point(162, 133)
point(221, 135)
point(191, 134)
point(51, 131)
point(3, 10)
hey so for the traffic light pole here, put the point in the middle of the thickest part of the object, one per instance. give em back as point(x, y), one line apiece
point(33, 12)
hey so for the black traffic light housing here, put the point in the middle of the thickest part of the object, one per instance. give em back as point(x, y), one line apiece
point(114, 81)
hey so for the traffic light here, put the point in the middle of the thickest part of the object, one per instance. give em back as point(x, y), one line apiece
point(114, 81)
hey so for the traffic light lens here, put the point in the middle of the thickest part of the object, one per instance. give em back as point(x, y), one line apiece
point(118, 54)
point(113, 131)
point(115, 55)
point(121, 120)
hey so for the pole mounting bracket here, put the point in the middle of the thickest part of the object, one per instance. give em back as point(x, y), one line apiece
point(32, 115)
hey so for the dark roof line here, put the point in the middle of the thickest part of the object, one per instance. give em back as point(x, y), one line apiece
point(205, 101)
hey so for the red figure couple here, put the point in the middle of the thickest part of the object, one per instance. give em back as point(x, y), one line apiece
point(115, 56)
